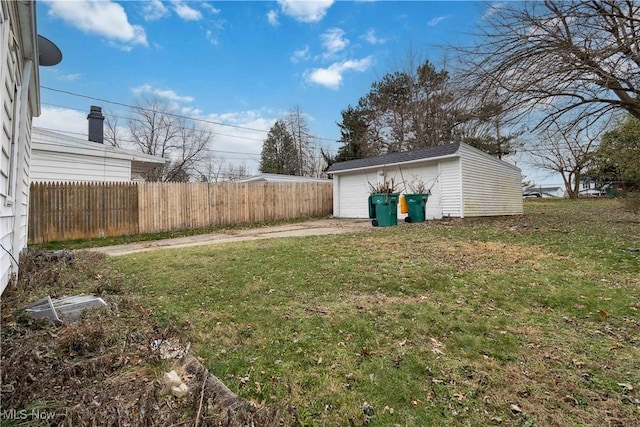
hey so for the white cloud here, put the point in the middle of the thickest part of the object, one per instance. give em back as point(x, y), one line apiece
point(186, 12)
point(105, 18)
point(333, 41)
point(305, 11)
point(370, 37)
point(59, 75)
point(435, 21)
point(492, 10)
point(71, 77)
point(331, 77)
point(168, 94)
point(210, 8)
point(154, 10)
point(272, 17)
point(300, 55)
point(241, 142)
point(64, 120)
point(211, 37)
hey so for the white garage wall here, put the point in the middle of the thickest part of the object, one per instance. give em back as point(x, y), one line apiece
point(451, 179)
point(430, 176)
point(351, 189)
point(490, 186)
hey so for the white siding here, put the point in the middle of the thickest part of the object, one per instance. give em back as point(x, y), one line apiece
point(60, 158)
point(8, 84)
point(451, 187)
point(351, 189)
point(352, 194)
point(489, 186)
point(21, 202)
point(49, 166)
point(427, 173)
point(15, 133)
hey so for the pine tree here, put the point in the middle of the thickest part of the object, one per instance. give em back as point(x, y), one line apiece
point(279, 153)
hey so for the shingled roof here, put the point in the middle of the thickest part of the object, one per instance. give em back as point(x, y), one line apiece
point(395, 158)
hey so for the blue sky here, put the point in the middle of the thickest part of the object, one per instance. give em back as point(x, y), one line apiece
point(237, 63)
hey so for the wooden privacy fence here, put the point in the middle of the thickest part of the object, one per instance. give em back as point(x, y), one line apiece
point(65, 211)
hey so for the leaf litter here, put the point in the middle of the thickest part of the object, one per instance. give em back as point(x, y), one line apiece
point(107, 368)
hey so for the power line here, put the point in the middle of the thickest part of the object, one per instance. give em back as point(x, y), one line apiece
point(132, 141)
point(167, 113)
point(121, 117)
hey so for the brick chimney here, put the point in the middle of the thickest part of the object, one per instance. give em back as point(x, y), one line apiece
point(96, 130)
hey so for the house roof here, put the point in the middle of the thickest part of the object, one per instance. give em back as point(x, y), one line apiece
point(395, 158)
point(45, 140)
point(276, 177)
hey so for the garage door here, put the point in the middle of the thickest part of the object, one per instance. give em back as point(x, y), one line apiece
point(353, 194)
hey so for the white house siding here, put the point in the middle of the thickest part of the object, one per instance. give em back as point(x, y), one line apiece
point(58, 157)
point(489, 186)
point(49, 166)
point(16, 78)
point(451, 185)
point(21, 202)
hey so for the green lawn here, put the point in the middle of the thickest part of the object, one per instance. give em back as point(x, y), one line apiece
point(528, 320)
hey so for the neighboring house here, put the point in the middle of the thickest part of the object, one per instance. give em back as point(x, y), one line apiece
point(22, 51)
point(58, 157)
point(463, 182)
point(544, 192)
point(275, 177)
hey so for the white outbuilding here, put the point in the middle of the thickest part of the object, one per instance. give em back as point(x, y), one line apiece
point(57, 157)
point(463, 182)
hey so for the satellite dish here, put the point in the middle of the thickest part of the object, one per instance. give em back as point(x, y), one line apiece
point(48, 52)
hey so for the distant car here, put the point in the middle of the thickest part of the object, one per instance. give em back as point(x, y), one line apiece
point(532, 195)
point(591, 192)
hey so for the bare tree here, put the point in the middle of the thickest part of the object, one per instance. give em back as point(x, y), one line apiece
point(317, 164)
point(112, 133)
point(234, 172)
point(566, 150)
point(211, 170)
point(296, 122)
point(158, 131)
point(559, 59)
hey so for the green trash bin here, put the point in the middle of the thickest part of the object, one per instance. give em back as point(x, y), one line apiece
point(385, 206)
point(416, 205)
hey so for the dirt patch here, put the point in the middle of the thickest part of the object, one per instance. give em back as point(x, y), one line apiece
point(104, 369)
point(472, 255)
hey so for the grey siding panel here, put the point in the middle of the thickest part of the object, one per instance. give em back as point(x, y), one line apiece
point(489, 186)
